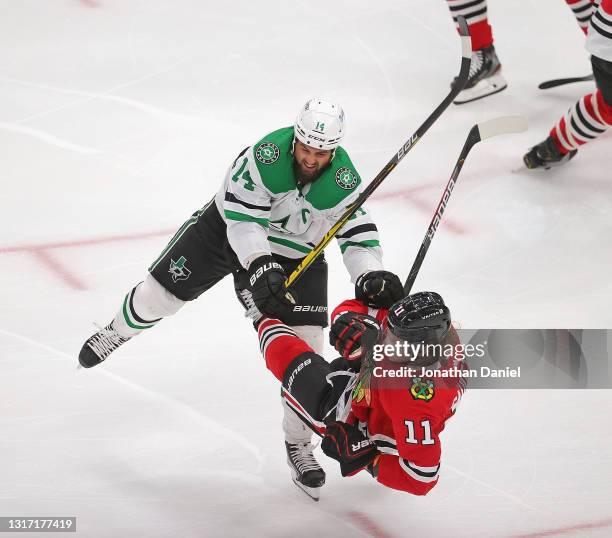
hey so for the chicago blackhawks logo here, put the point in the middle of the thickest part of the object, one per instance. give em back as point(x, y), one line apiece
point(178, 269)
point(346, 179)
point(267, 153)
point(361, 392)
point(422, 389)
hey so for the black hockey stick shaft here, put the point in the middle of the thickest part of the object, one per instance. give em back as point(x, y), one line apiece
point(561, 81)
point(481, 131)
point(466, 54)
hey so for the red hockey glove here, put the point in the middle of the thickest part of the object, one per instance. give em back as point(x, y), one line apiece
point(353, 334)
point(349, 446)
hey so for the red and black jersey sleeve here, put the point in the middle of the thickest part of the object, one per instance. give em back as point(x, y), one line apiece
point(412, 418)
point(411, 461)
point(417, 464)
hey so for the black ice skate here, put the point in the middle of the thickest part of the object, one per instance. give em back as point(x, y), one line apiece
point(546, 155)
point(485, 77)
point(100, 345)
point(305, 471)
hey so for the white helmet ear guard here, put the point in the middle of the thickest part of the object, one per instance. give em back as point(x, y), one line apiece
point(320, 124)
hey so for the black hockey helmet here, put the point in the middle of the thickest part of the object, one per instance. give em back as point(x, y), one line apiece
point(420, 317)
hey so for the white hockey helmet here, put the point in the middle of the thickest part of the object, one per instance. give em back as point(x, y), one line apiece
point(320, 124)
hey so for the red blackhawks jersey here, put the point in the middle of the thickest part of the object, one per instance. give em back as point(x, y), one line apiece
point(404, 416)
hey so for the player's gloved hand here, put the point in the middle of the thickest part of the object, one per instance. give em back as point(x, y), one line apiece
point(353, 334)
point(267, 282)
point(379, 289)
point(348, 445)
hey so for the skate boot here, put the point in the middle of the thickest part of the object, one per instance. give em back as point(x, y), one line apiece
point(100, 345)
point(546, 155)
point(305, 471)
point(485, 77)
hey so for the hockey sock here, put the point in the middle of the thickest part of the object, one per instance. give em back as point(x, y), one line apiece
point(582, 10)
point(312, 335)
point(279, 345)
point(144, 306)
point(475, 13)
point(586, 120)
point(293, 426)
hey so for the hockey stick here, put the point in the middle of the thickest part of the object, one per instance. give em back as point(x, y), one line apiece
point(480, 131)
point(561, 81)
point(466, 55)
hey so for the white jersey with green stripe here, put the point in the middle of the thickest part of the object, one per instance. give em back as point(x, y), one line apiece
point(266, 211)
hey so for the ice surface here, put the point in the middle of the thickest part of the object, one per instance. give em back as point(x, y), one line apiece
point(118, 119)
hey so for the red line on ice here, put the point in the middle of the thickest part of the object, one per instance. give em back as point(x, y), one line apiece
point(400, 193)
point(84, 242)
point(42, 252)
point(423, 206)
point(366, 524)
point(56, 267)
point(568, 530)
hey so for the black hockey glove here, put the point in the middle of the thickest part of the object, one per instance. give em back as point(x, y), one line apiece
point(348, 445)
point(379, 289)
point(353, 334)
point(267, 282)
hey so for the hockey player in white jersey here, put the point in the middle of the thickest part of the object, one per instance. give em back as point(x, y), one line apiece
point(278, 199)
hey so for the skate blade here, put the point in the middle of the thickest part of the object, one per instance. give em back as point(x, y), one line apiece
point(520, 170)
point(313, 493)
point(484, 88)
point(545, 166)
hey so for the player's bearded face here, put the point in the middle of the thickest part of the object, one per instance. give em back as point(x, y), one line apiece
point(309, 163)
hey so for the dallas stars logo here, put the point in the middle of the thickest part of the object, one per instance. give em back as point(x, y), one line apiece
point(422, 389)
point(178, 269)
point(267, 153)
point(346, 179)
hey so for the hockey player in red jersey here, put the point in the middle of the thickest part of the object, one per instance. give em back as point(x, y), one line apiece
point(375, 411)
point(485, 72)
point(591, 116)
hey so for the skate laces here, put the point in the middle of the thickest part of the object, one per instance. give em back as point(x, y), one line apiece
point(477, 63)
point(302, 458)
point(105, 341)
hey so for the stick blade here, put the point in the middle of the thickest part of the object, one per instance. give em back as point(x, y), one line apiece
point(546, 85)
point(502, 125)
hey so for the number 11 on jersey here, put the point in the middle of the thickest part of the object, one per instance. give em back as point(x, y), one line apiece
point(411, 437)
